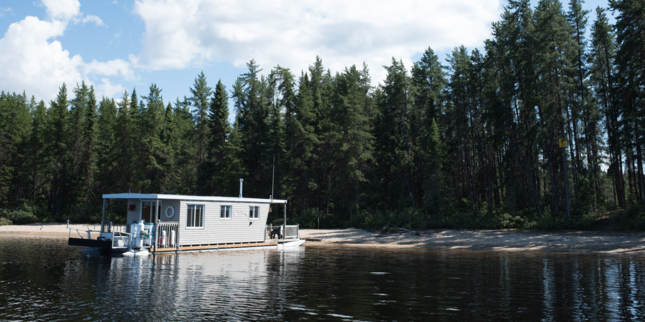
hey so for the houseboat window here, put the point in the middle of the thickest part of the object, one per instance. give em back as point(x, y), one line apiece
point(195, 216)
point(225, 211)
point(254, 212)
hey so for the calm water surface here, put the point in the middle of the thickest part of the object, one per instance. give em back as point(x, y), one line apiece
point(47, 280)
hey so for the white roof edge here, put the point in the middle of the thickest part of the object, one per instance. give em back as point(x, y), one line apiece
point(128, 195)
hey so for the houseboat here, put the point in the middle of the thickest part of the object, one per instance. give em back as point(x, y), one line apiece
point(162, 223)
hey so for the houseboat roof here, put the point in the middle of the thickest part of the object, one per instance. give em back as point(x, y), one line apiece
point(157, 196)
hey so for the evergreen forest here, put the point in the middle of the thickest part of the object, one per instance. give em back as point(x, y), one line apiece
point(543, 127)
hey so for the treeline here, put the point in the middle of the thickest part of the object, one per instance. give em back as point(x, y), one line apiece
point(541, 128)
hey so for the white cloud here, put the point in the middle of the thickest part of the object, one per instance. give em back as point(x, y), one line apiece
point(62, 9)
point(92, 19)
point(5, 11)
point(34, 61)
point(108, 89)
point(291, 33)
point(115, 67)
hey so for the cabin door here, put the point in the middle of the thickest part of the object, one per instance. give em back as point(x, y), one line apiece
point(148, 210)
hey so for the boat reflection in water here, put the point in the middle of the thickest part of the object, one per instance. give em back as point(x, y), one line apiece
point(237, 284)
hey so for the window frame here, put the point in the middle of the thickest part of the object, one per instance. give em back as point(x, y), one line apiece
point(229, 212)
point(202, 216)
point(254, 212)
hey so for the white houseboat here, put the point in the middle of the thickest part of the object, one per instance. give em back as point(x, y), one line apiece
point(159, 223)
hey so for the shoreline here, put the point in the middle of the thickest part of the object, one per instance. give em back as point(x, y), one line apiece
point(501, 240)
point(440, 239)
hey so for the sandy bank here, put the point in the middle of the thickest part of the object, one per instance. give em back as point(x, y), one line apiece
point(50, 230)
point(495, 240)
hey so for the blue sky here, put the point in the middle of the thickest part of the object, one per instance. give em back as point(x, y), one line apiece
point(124, 44)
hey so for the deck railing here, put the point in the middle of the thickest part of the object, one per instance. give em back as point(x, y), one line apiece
point(120, 240)
point(292, 232)
point(167, 237)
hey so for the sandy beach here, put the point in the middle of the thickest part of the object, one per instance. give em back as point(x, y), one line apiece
point(492, 240)
point(50, 230)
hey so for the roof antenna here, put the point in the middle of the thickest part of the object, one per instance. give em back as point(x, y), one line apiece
point(272, 176)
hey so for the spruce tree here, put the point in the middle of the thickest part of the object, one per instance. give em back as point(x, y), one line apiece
point(58, 132)
point(427, 85)
point(200, 98)
point(38, 160)
point(216, 175)
point(107, 146)
point(253, 125)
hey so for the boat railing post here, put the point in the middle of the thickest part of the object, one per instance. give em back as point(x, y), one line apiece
point(177, 237)
point(102, 216)
point(156, 228)
point(284, 224)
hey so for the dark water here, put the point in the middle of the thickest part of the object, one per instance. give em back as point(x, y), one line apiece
point(47, 280)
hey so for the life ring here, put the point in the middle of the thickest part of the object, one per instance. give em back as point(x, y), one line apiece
point(170, 212)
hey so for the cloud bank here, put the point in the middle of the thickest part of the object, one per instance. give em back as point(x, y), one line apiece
point(184, 33)
point(32, 60)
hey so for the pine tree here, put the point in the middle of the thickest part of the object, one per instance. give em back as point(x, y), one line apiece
point(602, 79)
point(630, 87)
point(458, 126)
point(553, 43)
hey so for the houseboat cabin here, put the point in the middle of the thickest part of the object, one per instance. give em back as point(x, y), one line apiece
point(168, 223)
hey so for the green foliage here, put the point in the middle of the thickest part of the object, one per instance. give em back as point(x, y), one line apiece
point(513, 135)
point(312, 218)
point(632, 219)
point(19, 216)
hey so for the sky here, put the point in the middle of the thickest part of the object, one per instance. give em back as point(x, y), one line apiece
point(119, 45)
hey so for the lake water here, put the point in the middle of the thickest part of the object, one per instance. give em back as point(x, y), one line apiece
point(45, 279)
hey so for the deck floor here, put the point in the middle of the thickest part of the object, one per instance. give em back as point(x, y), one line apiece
point(214, 246)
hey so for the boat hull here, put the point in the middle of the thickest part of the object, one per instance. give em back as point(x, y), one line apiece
point(291, 244)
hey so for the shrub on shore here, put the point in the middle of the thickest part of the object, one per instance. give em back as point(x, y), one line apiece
point(19, 216)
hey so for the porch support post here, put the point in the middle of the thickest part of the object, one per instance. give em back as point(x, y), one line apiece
point(156, 229)
point(103, 217)
point(177, 237)
point(284, 223)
